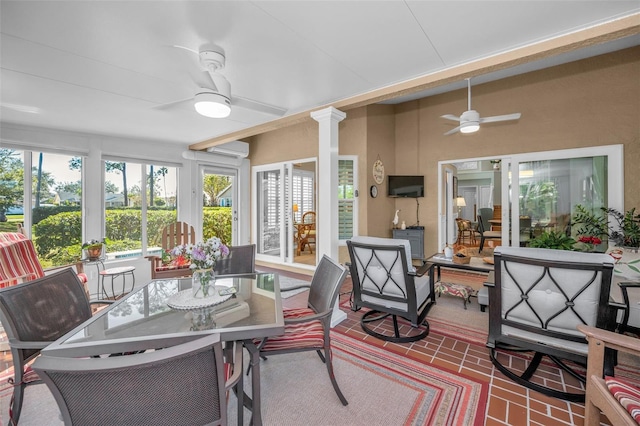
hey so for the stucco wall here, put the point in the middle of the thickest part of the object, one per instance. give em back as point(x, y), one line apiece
point(590, 102)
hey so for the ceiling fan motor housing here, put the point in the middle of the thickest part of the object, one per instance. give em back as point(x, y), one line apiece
point(212, 60)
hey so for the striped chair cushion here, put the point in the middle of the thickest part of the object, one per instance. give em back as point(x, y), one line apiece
point(302, 335)
point(170, 267)
point(18, 260)
point(627, 394)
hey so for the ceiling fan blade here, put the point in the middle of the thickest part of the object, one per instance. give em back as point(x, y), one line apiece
point(173, 104)
point(241, 102)
point(505, 117)
point(186, 48)
point(452, 131)
point(451, 117)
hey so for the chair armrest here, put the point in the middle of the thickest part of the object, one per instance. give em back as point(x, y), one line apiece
point(21, 344)
point(423, 269)
point(318, 316)
point(101, 302)
point(237, 367)
point(612, 340)
point(491, 280)
point(629, 284)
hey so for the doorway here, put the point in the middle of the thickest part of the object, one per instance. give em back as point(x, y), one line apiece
point(285, 195)
point(219, 204)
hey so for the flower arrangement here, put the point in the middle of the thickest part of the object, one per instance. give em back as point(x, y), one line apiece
point(202, 255)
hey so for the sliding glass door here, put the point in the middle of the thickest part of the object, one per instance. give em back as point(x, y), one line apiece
point(534, 193)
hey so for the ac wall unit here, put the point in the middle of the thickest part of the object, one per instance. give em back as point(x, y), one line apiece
point(234, 149)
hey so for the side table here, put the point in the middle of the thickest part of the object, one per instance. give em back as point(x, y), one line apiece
point(122, 271)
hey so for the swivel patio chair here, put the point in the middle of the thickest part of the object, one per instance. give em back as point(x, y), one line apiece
point(615, 398)
point(182, 384)
point(35, 314)
point(538, 299)
point(174, 234)
point(385, 281)
point(240, 260)
point(308, 329)
point(630, 322)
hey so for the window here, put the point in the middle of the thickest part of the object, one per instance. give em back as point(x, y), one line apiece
point(50, 206)
point(346, 198)
point(137, 197)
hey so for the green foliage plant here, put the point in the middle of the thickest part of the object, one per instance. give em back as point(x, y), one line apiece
point(627, 234)
point(553, 240)
point(589, 223)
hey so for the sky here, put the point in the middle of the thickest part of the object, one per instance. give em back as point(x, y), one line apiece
point(58, 166)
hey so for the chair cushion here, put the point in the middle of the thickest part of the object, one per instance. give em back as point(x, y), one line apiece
point(171, 267)
point(423, 290)
point(301, 335)
point(627, 394)
point(388, 242)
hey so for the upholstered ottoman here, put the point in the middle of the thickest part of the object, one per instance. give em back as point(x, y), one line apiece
point(452, 289)
point(483, 298)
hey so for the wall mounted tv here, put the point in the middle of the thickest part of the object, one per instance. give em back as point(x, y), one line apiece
point(405, 186)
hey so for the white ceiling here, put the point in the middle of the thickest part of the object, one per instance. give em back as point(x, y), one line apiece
point(105, 66)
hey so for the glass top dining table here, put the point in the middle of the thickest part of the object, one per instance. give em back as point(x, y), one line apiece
point(144, 320)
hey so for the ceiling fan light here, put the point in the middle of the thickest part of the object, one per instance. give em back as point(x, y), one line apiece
point(469, 127)
point(212, 105)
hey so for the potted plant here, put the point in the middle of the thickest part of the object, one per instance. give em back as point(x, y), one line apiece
point(93, 248)
point(625, 233)
point(553, 240)
point(592, 227)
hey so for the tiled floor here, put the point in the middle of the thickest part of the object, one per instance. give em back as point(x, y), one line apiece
point(508, 402)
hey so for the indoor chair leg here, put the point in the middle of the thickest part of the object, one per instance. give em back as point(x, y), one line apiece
point(329, 364)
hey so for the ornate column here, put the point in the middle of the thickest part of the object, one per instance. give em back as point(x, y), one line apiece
point(327, 207)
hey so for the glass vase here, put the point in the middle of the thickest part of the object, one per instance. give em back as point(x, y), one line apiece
point(203, 283)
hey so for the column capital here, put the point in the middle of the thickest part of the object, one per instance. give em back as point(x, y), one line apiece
point(328, 113)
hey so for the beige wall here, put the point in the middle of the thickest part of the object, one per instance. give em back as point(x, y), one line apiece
point(585, 103)
point(591, 102)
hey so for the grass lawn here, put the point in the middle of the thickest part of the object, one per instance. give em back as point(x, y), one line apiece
point(11, 225)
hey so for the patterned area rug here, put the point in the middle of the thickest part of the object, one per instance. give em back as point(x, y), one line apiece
point(382, 389)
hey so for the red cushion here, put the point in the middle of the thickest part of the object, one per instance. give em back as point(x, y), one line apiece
point(300, 335)
point(170, 267)
point(627, 394)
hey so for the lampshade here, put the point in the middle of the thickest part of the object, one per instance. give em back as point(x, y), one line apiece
point(212, 105)
point(295, 208)
point(460, 202)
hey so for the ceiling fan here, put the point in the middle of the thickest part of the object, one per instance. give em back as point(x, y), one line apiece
point(212, 97)
point(470, 120)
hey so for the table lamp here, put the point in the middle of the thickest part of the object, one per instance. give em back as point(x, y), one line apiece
point(460, 203)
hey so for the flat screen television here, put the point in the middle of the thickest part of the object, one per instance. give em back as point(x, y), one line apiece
point(405, 186)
